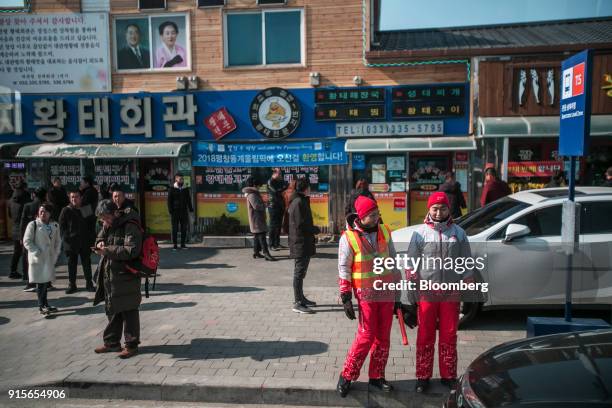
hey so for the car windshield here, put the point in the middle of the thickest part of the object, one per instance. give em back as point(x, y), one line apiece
point(489, 215)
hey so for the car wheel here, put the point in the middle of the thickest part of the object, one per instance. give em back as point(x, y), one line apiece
point(467, 312)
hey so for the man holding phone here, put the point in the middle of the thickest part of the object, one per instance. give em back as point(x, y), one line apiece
point(119, 241)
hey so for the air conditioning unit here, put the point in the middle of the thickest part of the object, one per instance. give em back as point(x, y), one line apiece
point(271, 2)
point(210, 3)
point(152, 4)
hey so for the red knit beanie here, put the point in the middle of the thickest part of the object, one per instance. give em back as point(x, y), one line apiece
point(438, 197)
point(364, 205)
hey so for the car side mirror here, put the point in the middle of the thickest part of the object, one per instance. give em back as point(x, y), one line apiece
point(514, 231)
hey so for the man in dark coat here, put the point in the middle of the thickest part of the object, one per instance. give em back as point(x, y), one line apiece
point(119, 242)
point(452, 188)
point(494, 188)
point(16, 204)
point(301, 242)
point(276, 207)
point(30, 212)
point(133, 55)
point(77, 239)
point(118, 197)
point(58, 197)
point(179, 207)
point(89, 203)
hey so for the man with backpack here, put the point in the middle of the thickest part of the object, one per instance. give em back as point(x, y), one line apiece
point(119, 244)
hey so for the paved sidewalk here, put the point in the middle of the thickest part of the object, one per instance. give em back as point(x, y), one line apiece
point(218, 328)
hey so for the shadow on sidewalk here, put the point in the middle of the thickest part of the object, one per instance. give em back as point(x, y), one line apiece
point(173, 288)
point(201, 349)
point(4, 320)
point(62, 302)
point(202, 266)
point(99, 309)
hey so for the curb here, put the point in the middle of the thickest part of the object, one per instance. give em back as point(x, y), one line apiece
point(255, 390)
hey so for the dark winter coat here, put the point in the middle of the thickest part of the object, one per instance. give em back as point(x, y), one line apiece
point(118, 288)
point(350, 205)
point(276, 202)
point(179, 201)
point(494, 190)
point(30, 212)
point(455, 197)
point(75, 231)
point(257, 210)
point(16, 204)
point(301, 228)
point(59, 198)
point(89, 196)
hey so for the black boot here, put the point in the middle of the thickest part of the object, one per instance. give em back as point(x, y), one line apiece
point(269, 257)
point(381, 384)
point(257, 255)
point(343, 386)
point(308, 302)
point(421, 386)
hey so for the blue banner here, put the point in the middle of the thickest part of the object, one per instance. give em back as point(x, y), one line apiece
point(575, 109)
point(162, 117)
point(317, 153)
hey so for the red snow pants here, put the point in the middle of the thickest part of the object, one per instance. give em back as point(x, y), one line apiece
point(373, 333)
point(445, 316)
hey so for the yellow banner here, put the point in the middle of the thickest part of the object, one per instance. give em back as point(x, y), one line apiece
point(393, 209)
point(157, 217)
point(213, 205)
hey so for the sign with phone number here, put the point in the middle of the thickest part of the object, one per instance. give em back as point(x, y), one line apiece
point(368, 129)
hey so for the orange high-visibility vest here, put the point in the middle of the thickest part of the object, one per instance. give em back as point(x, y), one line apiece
point(362, 273)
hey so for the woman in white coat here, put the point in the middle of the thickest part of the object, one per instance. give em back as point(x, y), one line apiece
point(43, 242)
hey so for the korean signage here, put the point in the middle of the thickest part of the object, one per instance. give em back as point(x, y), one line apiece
point(350, 104)
point(53, 53)
point(159, 117)
point(429, 101)
point(220, 123)
point(269, 155)
point(534, 168)
point(231, 179)
point(368, 129)
point(574, 128)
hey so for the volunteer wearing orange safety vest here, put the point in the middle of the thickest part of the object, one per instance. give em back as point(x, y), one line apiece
point(364, 240)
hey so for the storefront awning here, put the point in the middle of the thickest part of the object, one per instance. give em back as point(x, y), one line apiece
point(98, 151)
point(412, 144)
point(536, 126)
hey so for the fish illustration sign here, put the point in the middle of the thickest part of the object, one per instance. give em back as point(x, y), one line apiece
point(575, 109)
point(275, 113)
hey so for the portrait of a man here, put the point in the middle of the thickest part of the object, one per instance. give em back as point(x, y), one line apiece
point(133, 54)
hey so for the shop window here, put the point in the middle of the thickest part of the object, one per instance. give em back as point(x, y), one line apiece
point(595, 217)
point(266, 37)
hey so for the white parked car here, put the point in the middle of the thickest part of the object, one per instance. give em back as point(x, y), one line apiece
point(520, 236)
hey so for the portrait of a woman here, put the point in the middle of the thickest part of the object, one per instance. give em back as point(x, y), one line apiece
point(169, 54)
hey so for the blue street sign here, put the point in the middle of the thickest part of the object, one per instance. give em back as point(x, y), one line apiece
point(575, 105)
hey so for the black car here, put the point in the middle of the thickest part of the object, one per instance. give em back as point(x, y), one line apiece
point(560, 370)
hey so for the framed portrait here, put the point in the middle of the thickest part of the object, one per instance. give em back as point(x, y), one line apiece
point(152, 43)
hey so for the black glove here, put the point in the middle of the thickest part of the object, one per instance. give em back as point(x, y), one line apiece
point(410, 315)
point(349, 311)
